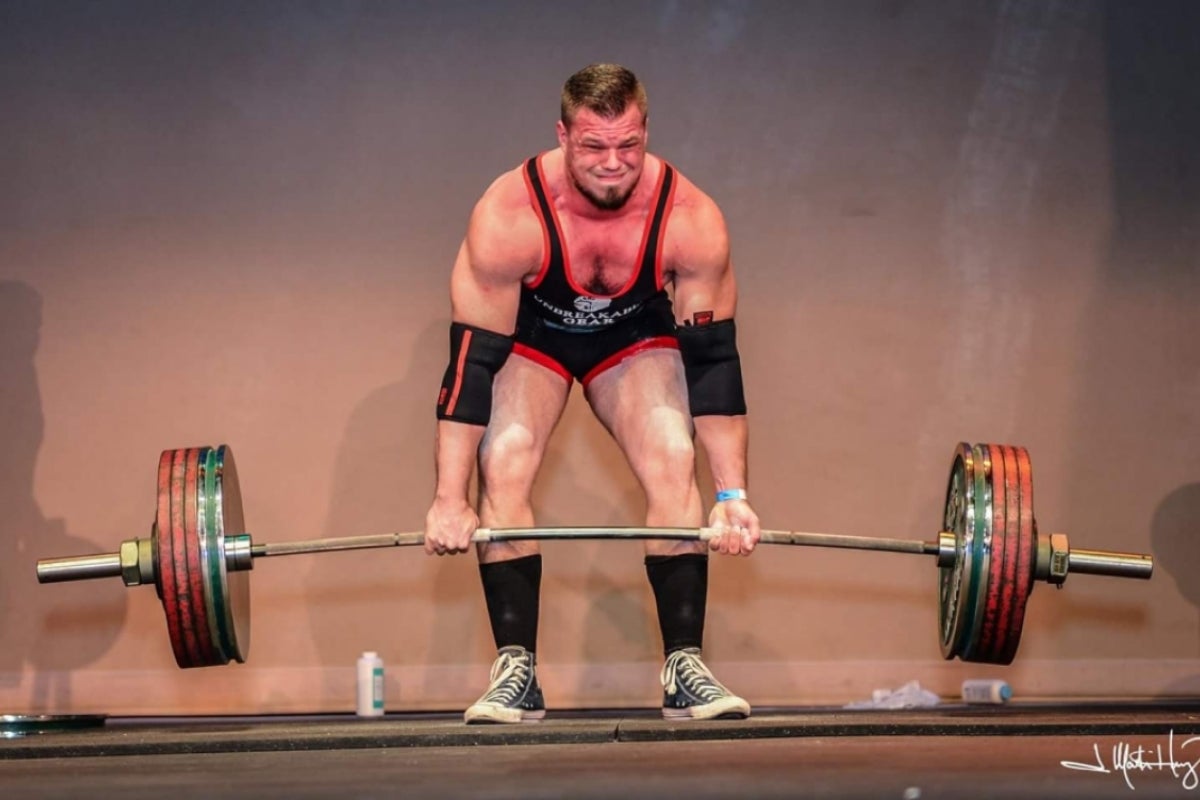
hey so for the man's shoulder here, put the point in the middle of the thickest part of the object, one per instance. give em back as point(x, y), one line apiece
point(687, 192)
point(691, 205)
point(505, 206)
point(504, 228)
point(508, 193)
point(697, 232)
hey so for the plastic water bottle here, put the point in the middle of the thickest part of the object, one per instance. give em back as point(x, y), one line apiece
point(370, 685)
point(993, 692)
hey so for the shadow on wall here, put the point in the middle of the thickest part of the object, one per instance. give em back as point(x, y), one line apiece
point(1173, 536)
point(1139, 322)
point(1177, 550)
point(55, 628)
point(382, 482)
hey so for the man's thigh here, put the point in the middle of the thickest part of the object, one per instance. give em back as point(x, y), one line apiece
point(643, 400)
point(527, 402)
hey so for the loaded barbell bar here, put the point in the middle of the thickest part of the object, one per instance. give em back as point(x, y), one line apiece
point(240, 550)
point(989, 553)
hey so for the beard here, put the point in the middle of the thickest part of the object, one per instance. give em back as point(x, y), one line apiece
point(612, 199)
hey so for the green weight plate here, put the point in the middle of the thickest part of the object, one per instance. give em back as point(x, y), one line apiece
point(957, 518)
point(216, 589)
point(994, 592)
point(214, 601)
point(974, 591)
point(229, 521)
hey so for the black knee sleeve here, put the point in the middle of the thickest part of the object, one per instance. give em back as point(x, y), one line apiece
point(512, 591)
point(680, 586)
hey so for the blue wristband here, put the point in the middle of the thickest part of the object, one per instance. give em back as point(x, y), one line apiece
point(731, 494)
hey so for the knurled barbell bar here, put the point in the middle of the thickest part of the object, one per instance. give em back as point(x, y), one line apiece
point(989, 553)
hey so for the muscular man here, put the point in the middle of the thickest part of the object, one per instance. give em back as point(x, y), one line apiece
point(563, 276)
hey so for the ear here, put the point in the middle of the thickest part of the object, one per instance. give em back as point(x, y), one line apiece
point(561, 131)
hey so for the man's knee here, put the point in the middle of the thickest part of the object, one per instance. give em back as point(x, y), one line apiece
point(669, 459)
point(508, 458)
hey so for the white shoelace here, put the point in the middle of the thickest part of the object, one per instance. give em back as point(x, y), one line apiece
point(688, 668)
point(507, 678)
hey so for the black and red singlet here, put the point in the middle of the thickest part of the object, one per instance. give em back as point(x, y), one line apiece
point(578, 333)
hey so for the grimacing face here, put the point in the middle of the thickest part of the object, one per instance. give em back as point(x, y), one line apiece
point(604, 157)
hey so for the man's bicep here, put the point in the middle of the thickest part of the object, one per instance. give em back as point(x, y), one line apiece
point(705, 289)
point(705, 295)
point(481, 299)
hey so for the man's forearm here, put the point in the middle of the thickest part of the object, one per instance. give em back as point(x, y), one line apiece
point(725, 439)
point(456, 449)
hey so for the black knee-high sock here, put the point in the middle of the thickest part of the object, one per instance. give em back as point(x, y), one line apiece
point(512, 592)
point(680, 590)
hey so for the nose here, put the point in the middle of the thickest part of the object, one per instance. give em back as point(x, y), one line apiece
point(611, 159)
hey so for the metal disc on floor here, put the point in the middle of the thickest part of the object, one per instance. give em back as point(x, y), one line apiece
point(13, 726)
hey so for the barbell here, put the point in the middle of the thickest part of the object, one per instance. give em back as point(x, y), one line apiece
point(989, 553)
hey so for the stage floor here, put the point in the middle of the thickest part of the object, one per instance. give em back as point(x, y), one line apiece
point(951, 751)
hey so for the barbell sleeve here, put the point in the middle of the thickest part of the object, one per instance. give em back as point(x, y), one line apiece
point(1117, 565)
point(79, 568)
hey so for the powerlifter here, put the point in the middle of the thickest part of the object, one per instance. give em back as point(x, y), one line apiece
point(564, 276)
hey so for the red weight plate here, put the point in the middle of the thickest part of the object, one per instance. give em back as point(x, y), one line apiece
point(179, 558)
point(206, 649)
point(1027, 553)
point(164, 574)
point(1012, 538)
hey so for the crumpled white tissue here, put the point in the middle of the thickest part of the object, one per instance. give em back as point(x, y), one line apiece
point(910, 695)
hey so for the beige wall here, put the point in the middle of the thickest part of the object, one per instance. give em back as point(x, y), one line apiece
point(951, 222)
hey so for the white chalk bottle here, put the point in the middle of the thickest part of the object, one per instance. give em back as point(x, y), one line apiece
point(991, 692)
point(370, 685)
